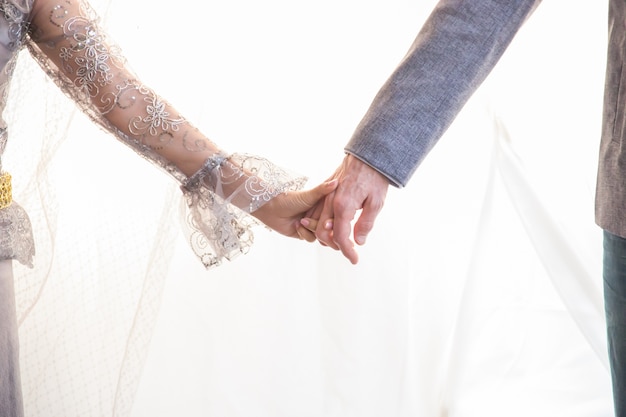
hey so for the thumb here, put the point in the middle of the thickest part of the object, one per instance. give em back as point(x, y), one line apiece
point(310, 197)
point(365, 223)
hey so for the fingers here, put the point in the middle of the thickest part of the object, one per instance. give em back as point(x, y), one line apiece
point(309, 223)
point(309, 198)
point(365, 223)
point(306, 229)
point(324, 229)
point(361, 188)
point(315, 211)
point(339, 229)
point(305, 234)
point(312, 198)
point(342, 225)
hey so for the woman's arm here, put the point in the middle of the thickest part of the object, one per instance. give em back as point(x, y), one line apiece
point(67, 41)
point(76, 53)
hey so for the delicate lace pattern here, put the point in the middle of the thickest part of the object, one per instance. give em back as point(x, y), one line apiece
point(262, 181)
point(157, 119)
point(16, 240)
point(86, 55)
point(15, 15)
point(76, 54)
point(218, 198)
point(93, 73)
point(23, 6)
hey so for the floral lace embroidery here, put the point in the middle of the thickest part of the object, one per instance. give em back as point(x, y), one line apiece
point(93, 73)
point(218, 198)
point(88, 51)
point(16, 241)
point(18, 26)
point(158, 118)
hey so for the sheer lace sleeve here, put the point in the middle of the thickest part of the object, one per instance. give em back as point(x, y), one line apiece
point(218, 189)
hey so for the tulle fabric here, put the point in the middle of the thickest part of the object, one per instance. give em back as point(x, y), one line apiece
point(16, 239)
point(103, 237)
point(67, 41)
point(86, 307)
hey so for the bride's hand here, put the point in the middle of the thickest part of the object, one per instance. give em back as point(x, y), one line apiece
point(284, 212)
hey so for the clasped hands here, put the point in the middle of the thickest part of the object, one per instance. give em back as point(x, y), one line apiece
point(325, 212)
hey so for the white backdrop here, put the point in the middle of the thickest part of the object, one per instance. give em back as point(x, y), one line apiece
point(478, 293)
point(451, 310)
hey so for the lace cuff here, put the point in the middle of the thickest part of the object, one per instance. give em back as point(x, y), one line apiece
point(218, 198)
point(16, 236)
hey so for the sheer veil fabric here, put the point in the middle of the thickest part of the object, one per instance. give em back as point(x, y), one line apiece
point(87, 308)
point(87, 312)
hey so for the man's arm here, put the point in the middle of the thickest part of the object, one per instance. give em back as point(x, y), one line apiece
point(453, 53)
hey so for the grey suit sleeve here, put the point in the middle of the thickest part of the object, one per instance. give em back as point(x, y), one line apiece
point(455, 50)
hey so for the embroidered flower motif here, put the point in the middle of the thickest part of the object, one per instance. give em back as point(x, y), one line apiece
point(158, 119)
point(93, 57)
point(65, 54)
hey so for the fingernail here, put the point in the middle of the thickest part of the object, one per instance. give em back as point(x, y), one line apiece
point(328, 225)
point(360, 239)
point(305, 222)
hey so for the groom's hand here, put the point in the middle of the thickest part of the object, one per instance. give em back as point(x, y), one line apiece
point(360, 187)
